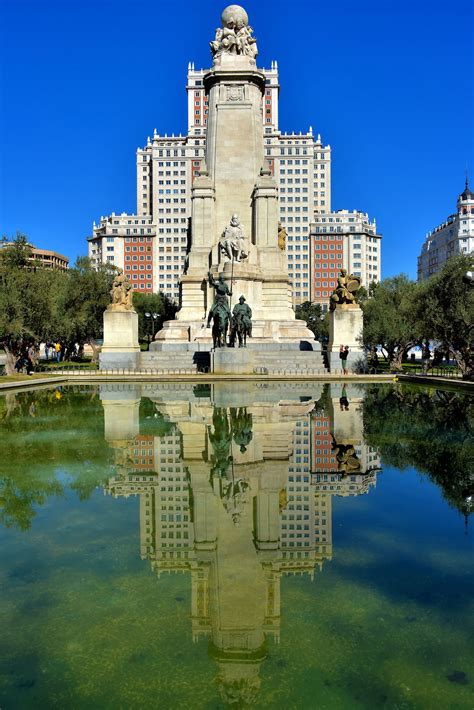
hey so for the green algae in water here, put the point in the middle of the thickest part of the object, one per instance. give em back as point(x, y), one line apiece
point(168, 546)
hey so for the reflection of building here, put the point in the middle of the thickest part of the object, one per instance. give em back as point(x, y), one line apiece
point(233, 500)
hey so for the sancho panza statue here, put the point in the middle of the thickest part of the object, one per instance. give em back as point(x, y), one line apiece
point(235, 35)
point(346, 289)
point(233, 243)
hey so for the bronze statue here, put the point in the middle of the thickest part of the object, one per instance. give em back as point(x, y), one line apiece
point(121, 293)
point(241, 322)
point(346, 457)
point(347, 287)
point(219, 312)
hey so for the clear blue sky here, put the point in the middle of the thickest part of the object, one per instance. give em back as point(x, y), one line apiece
point(387, 84)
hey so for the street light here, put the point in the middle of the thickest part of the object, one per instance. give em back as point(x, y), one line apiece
point(153, 318)
point(468, 278)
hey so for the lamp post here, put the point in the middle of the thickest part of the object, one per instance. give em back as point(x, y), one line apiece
point(468, 278)
point(153, 318)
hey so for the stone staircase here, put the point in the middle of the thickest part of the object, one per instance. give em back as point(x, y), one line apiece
point(265, 362)
point(178, 361)
point(293, 362)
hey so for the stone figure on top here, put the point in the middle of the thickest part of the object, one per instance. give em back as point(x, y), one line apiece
point(345, 291)
point(235, 36)
point(121, 293)
point(233, 243)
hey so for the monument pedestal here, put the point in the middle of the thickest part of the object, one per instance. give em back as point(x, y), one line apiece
point(120, 348)
point(233, 361)
point(345, 328)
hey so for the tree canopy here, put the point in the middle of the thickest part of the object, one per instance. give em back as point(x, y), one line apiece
point(316, 321)
point(388, 320)
point(445, 308)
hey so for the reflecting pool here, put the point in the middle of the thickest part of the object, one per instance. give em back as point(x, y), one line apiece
point(283, 545)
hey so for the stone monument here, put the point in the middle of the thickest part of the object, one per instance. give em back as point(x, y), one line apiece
point(235, 234)
point(345, 323)
point(121, 348)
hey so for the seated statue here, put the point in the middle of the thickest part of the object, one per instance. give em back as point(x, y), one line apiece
point(233, 243)
point(347, 287)
point(121, 293)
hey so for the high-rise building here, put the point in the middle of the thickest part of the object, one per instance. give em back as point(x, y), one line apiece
point(453, 236)
point(301, 165)
point(342, 240)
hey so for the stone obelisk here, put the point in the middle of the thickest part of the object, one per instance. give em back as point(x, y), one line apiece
point(234, 222)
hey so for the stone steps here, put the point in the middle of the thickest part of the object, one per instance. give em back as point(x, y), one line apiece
point(267, 362)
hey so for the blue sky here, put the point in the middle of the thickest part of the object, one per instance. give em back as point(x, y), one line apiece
point(387, 84)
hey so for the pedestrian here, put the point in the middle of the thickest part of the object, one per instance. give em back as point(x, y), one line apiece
point(343, 354)
point(57, 349)
point(30, 359)
point(343, 401)
point(425, 357)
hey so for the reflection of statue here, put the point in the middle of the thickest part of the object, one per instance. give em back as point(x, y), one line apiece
point(235, 35)
point(220, 439)
point(235, 495)
point(346, 457)
point(219, 312)
point(347, 287)
point(241, 427)
point(281, 236)
point(121, 293)
point(242, 322)
point(233, 243)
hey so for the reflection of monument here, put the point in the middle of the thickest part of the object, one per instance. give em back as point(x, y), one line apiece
point(349, 466)
point(234, 224)
point(233, 502)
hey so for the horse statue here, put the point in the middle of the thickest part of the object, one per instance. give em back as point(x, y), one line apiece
point(220, 325)
point(240, 328)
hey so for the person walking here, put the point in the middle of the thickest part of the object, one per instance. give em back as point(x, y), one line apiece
point(30, 359)
point(57, 349)
point(343, 354)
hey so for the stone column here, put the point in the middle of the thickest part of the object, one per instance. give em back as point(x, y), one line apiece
point(234, 142)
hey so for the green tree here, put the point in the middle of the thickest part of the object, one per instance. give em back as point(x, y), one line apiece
point(152, 303)
point(85, 296)
point(445, 307)
point(389, 318)
point(316, 321)
point(28, 299)
point(15, 252)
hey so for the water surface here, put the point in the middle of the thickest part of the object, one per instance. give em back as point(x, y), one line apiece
point(270, 544)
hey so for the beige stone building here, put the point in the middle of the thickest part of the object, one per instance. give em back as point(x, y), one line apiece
point(453, 236)
point(45, 258)
point(168, 165)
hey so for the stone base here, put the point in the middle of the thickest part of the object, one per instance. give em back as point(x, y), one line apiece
point(345, 328)
point(120, 349)
point(289, 332)
point(232, 361)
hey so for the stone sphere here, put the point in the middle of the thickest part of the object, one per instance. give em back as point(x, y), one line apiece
point(236, 15)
